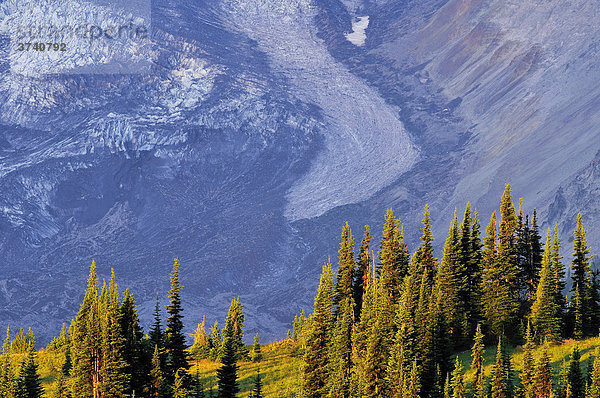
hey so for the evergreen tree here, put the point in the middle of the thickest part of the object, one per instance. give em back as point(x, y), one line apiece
point(575, 381)
point(137, 362)
point(528, 373)
point(180, 389)
point(594, 390)
point(414, 385)
point(345, 272)
point(543, 377)
point(392, 257)
point(561, 388)
point(7, 376)
point(478, 384)
point(580, 269)
point(458, 385)
point(471, 268)
point(452, 281)
point(558, 270)
point(30, 383)
point(201, 347)
point(235, 315)
point(257, 389)
point(215, 341)
point(158, 387)
point(362, 271)
point(256, 355)
point(545, 312)
point(175, 345)
point(114, 378)
point(227, 373)
point(86, 343)
point(156, 332)
point(501, 384)
point(447, 388)
point(316, 369)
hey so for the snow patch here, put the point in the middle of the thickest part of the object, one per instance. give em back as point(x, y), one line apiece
point(358, 35)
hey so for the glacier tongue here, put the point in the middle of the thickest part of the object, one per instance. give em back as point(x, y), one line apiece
point(366, 146)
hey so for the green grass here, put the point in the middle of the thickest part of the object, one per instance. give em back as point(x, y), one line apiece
point(281, 372)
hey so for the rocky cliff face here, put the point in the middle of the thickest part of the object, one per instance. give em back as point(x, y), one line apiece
point(262, 126)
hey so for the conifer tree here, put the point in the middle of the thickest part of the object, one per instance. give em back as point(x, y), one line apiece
point(501, 383)
point(316, 369)
point(458, 385)
point(257, 388)
point(134, 353)
point(528, 372)
point(235, 315)
point(30, 383)
point(545, 312)
point(392, 257)
point(580, 268)
point(201, 347)
point(471, 268)
point(575, 382)
point(158, 386)
point(594, 390)
point(215, 341)
point(362, 271)
point(414, 385)
point(156, 334)
point(114, 378)
point(561, 388)
point(180, 389)
point(86, 343)
point(478, 384)
point(345, 272)
point(397, 370)
point(447, 387)
point(543, 377)
point(227, 373)
point(175, 345)
point(256, 355)
point(452, 280)
point(7, 376)
point(558, 271)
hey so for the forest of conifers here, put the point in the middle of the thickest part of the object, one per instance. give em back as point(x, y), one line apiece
point(386, 325)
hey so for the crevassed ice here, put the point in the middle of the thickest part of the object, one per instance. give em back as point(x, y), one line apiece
point(366, 145)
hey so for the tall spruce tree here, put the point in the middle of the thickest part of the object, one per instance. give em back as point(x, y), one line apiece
point(156, 334)
point(458, 384)
point(235, 315)
point(30, 382)
point(594, 390)
point(175, 345)
point(87, 343)
point(362, 271)
point(227, 373)
point(134, 352)
point(545, 310)
point(501, 383)
point(575, 380)
point(543, 376)
point(114, 378)
point(346, 269)
point(478, 385)
point(451, 280)
point(580, 268)
point(392, 257)
point(558, 271)
point(471, 268)
point(528, 372)
point(316, 360)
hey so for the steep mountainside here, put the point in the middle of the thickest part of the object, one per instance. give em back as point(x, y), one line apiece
point(262, 126)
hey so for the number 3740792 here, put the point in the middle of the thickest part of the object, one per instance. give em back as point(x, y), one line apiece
point(42, 47)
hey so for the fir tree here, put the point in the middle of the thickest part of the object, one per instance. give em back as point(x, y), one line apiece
point(575, 382)
point(594, 390)
point(471, 269)
point(345, 272)
point(458, 385)
point(7, 376)
point(414, 385)
point(180, 389)
point(256, 355)
point(362, 271)
point(114, 378)
point(528, 372)
point(447, 387)
point(501, 383)
point(257, 388)
point(175, 345)
point(545, 312)
point(561, 388)
point(392, 257)
point(558, 270)
point(227, 373)
point(316, 369)
point(543, 377)
point(156, 332)
point(136, 357)
point(580, 269)
point(86, 343)
point(158, 387)
point(201, 347)
point(30, 383)
point(452, 280)
point(478, 384)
